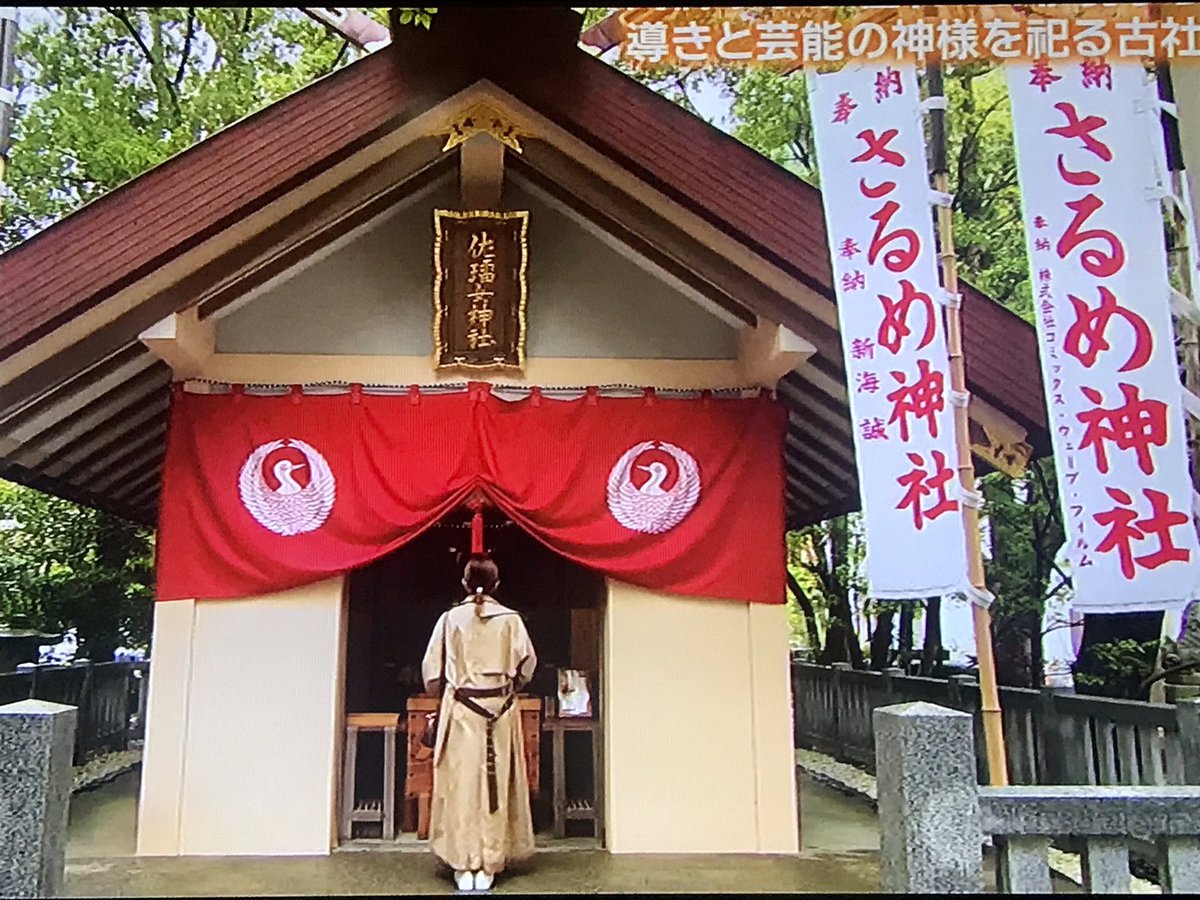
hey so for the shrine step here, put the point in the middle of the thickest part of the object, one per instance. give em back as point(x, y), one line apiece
point(580, 809)
point(367, 811)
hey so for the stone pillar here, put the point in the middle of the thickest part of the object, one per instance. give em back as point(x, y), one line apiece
point(1187, 713)
point(930, 832)
point(37, 741)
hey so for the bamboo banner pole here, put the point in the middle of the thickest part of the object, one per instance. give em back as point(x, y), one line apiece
point(993, 730)
point(1180, 254)
point(8, 49)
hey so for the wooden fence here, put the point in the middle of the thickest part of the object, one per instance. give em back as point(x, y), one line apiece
point(110, 697)
point(1050, 737)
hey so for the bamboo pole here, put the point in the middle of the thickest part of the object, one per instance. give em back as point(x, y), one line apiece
point(993, 730)
point(8, 50)
point(1179, 255)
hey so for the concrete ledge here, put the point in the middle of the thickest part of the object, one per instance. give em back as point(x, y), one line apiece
point(1086, 811)
point(854, 782)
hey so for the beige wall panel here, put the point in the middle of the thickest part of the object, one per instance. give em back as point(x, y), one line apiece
point(166, 729)
point(586, 300)
point(339, 716)
point(775, 759)
point(262, 724)
point(684, 715)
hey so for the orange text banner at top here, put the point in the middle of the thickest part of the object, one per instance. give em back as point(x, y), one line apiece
point(787, 37)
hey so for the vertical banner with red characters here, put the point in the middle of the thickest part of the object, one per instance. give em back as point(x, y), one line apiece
point(1094, 231)
point(875, 184)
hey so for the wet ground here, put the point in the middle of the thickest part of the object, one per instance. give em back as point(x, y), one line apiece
point(839, 834)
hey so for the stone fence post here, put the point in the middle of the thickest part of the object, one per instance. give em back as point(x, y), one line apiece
point(37, 742)
point(930, 830)
point(1187, 714)
point(839, 709)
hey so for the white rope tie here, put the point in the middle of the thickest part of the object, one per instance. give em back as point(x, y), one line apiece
point(980, 596)
point(949, 300)
point(960, 398)
point(973, 499)
point(929, 104)
point(941, 198)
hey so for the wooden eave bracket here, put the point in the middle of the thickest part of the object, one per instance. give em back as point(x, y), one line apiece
point(481, 133)
point(481, 172)
point(998, 440)
point(183, 341)
point(769, 351)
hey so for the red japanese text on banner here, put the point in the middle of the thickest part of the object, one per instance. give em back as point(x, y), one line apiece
point(875, 185)
point(1094, 231)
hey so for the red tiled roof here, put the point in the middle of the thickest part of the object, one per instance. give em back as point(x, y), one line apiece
point(91, 254)
point(765, 206)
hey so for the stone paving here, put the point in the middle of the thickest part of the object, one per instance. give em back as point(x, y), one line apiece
point(840, 854)
point(839, 836)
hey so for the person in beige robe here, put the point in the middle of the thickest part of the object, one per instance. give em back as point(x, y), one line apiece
point(480, 818)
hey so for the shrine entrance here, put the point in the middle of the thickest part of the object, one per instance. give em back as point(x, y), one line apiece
point(394, 604)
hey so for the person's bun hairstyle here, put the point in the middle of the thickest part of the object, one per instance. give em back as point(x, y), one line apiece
point(480, 577)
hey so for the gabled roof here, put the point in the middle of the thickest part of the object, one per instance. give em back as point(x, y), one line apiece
point(61, 288)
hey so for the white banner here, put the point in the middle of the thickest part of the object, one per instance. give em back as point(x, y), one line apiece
point(875, 186)
point(1085, 136)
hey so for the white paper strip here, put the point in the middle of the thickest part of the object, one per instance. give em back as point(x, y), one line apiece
point(875, 186)
point(1085, 136)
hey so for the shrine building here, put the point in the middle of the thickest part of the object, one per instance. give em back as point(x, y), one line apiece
point(295, 268)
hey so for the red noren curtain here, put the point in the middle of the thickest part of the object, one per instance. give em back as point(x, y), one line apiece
point(262, 494)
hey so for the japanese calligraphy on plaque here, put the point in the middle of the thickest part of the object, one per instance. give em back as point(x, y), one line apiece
point(875, 187)
point(1086, 160)
point(479, 288)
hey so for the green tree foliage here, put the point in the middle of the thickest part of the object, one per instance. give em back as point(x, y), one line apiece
point(104, 94)
point(825, 561)
point(988, 230)
point(64, 566)
point(1026, 534)
point(1116, 668)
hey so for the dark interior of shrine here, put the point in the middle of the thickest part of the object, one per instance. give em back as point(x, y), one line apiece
point(395, 602)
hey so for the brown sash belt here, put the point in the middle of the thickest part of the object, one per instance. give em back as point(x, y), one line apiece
point(482, 692)
point(463, 696)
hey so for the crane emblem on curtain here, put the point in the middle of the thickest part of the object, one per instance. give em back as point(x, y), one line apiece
point(287, 486)
point(653, 487)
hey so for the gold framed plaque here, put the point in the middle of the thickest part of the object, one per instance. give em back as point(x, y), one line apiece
point(480, 263)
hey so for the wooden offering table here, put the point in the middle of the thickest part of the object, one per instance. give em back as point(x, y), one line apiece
point(581, 809)
point(382, 810)
point(418, 782)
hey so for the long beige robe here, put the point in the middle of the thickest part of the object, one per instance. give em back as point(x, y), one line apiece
point(482, 651)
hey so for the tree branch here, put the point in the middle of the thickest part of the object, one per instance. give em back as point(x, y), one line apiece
point(121, 16)
point(809, 613)
point(162, 84)
point(187, 46)
point(337, 59)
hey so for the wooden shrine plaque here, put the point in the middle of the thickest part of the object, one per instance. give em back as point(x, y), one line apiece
point(479, 288)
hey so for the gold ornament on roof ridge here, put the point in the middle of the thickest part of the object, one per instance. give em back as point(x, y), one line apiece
point(482, 119)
